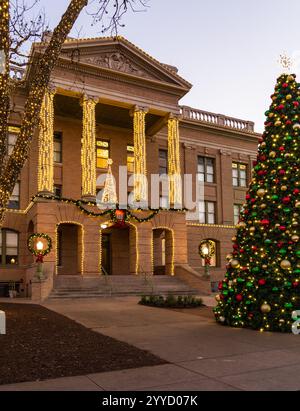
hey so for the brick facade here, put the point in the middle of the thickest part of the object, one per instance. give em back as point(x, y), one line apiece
point(145, 82)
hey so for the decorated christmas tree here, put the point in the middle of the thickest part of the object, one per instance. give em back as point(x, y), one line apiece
point(261, 288)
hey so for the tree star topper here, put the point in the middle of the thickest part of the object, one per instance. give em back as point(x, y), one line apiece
point(286, 62)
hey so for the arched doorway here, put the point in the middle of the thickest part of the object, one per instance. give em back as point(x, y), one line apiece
point(69, 249)
point(163, 251)
point(118, 250)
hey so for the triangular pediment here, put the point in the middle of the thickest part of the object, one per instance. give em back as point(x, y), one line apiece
point(121, 56)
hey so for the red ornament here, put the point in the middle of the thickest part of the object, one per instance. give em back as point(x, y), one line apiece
point(262, 281)
point(282, 228)
point(265, 222)
point(281, 148)
point(295, 103)
point(295, 284)
point(220, 286)
point(239, 297)
point(296, 191)
point(288, 122)
point(285, 85)
point(282, 172)
point(286, 200)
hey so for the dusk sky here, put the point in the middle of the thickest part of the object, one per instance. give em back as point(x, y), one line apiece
point(228, 49)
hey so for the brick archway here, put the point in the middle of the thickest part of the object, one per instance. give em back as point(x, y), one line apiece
point(163, 250)
point(69, 248)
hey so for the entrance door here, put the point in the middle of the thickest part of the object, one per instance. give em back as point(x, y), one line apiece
point(106, 253)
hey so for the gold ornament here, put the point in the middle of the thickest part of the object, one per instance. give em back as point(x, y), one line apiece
point(229, 257)
point(263, 205)
point(284, 188)
point(264, 266)
point(289, 97)
point(285, 264)
point(235, 263)
point(277, 123)
point(261, 192)
point(252, 229)
point(295, 238)
point(217, 297)
point(265, 308)
point(290, 78)
point(233, 239)
point(272, 154)
point(241, 225)
point(297, 204)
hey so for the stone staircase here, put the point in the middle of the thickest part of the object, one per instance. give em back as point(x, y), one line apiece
point(118, 285)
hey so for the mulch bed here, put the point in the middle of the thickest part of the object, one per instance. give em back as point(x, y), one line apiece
point(42, 344)
point(204, 311)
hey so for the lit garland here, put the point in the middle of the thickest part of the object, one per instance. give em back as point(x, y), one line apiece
point(88, 155)
point(140, 170)
point(175, 187)
point(45, 170)
point(43, 66)
point(82, 204)
point(261, 288)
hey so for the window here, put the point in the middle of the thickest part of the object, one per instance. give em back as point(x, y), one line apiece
point(207, 213)
point(102, 153)
point(58, 190)
point(12, 138)
point(130, 158)
point(8, 247)
point(163, 162)
point(206, 169)
point(239, 175)
point(14, 201)
point(57, 147)
point(238, 208)
point(214, 258)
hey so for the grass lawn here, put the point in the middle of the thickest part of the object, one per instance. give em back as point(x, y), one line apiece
point(41, 344)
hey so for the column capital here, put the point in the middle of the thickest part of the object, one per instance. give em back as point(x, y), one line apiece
point(138, 109)
point(89, 97)
point(174, 116)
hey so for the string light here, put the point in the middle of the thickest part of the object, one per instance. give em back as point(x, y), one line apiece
point(45, 161)
point(139, 139)
point(175, 187)
point(88, 155)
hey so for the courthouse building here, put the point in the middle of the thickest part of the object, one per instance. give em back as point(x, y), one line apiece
point(108, 99)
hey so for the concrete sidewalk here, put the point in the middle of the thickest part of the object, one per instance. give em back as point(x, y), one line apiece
point(202, 355)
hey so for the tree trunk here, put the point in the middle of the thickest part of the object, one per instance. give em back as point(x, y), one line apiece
point(4, 77)
point(45, 65)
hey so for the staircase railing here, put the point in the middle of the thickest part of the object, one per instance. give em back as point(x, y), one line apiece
point(108, 283)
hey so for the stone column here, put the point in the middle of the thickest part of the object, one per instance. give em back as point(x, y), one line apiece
point(45, 160)
point(88, 149)
point(139, 138)
point(175, 184)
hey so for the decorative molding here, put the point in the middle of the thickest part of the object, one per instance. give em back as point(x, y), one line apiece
point(118, 61)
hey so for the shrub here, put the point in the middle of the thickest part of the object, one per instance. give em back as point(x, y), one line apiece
point(171, 301)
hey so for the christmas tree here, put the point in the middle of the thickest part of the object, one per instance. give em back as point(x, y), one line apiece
point(261, 288)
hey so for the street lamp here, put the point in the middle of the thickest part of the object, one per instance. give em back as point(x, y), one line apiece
point(207, 251)
point(39, 248)
point(39, 245)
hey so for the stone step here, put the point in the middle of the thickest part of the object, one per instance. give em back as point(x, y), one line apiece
point(93, 287)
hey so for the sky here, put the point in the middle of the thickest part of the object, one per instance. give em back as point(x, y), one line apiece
point(228, 50)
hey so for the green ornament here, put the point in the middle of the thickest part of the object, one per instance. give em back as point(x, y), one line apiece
point(240, 280)
point(275, 197)
point(288, 305)
point(278, 160)
point(296, 271)
point(283, 251)
point(225, 292)
point(255, 270)
point(268, 241)
point(275, 289)
point(287, 210)
point(249, 284)
point(298, 253)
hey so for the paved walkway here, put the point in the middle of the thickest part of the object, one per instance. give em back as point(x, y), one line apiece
point(202, 355)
